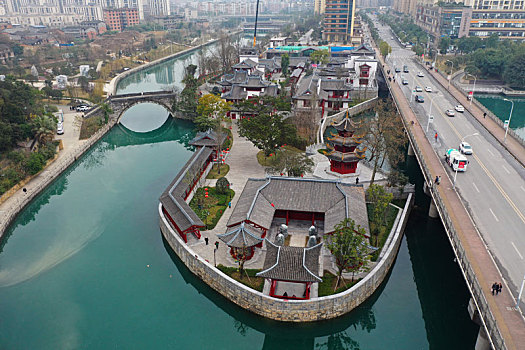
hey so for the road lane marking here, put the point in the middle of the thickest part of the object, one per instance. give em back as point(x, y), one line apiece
point(476, 187)
point(495, 217)
point(517, 251)
point(492, 154)
point(507, 170)
point(522, 188)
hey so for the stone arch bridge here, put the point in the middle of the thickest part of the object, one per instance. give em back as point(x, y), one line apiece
point(121, 103)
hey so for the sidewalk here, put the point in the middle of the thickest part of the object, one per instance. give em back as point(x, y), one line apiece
point(243, 165)
point(510, 322)
point(512, 145)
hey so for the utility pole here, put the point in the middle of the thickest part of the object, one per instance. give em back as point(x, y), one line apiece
point(255, 27)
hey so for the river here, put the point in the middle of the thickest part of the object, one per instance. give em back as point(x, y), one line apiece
point(85, 265)
point(501, 108)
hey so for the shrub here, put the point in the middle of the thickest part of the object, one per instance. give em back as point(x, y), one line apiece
point(34, 163)
point(16, 156)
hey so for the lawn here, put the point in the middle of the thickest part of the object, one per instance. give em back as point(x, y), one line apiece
point(254, 282)
point(210, 209)
point(214, 173)
point(327, 286)
point(274, 157)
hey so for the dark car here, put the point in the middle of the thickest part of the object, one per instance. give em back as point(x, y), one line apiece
point(420, 99)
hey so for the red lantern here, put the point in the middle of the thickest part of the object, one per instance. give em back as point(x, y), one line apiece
point(281, 174)
point(206, 189)
point(206, 195)
point(273, 205)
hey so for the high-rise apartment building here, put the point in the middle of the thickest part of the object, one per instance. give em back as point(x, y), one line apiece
point(319, 6)
point(118, 19)
point(339, 21)
point(157, 8)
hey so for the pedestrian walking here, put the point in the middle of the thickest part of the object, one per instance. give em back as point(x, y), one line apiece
point(495, 287)
point(206, 240)
point(357, 180)
point(437, 180)
point(436, 136)
point(500, 287)
point(484, 115)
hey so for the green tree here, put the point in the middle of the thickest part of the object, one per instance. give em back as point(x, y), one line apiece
point(444, 44)
point(44, 128)
point(348, 246)
point(379, 200)
point(222, 186)
point(291, 162)
point(267, 131)
point(514, 73)
point(84, 83)
point(18, 50)
point(285, 62)
point(320, 56)
point(212, 106)
point(187, 103)
point(34, 163)
point(384, 48)
point(106, 110)
point(490, 62)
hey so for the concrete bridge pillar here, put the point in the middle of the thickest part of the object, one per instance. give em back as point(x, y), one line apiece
point(410, 150)
point(432, 211)
point(482, 342)
point(426, 189)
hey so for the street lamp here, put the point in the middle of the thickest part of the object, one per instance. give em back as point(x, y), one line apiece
point(473, 88)
point(451, 69)
point(510, 117)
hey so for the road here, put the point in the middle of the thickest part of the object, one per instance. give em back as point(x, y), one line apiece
point(493, 187)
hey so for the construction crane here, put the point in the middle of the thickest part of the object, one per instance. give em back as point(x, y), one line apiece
point(255, 28)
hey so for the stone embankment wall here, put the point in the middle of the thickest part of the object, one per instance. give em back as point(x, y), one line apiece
point(316, 309)
point(47, 176)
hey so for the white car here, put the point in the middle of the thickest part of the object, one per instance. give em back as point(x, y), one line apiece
point(465, 148)
point(450, 112)
point(419, 89)
point(83, 108)
point(428, 89)
point(60, 128)
point(459, 108)
point(420, 74)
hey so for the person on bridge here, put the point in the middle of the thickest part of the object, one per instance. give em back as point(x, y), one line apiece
point(495, 287)
point(436, 136)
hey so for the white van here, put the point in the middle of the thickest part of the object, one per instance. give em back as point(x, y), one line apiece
point(60, 128)
point(456, 160)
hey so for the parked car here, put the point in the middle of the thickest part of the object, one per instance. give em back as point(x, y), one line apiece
point(420, 74)
point(83, 108)
point(428, 89)
point(60, 128)
point(420, 99)
point(465, 148)
point(419, 89)
point(450, 112)
point(459, 108)
point(404, 82)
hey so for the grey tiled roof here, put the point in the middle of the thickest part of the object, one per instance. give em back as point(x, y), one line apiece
point(335, 85)
point(254, 81)
point(208, 138)
point(243, 235)
point(295, 264)
point(236, 93)
point(261, 197)
point(271, 90)
point(172, 198)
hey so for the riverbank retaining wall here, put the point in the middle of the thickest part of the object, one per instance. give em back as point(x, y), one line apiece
point(316, 309)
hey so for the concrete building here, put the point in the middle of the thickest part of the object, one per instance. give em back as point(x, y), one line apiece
point(339, 21)
point(319, 6)
point(118, 19)
point(158, 8)
point(457, 22)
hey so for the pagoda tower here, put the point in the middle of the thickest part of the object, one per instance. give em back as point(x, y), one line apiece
point(343, 152)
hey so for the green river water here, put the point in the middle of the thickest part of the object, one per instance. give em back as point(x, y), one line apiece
point(501, 108)
point(74, 268)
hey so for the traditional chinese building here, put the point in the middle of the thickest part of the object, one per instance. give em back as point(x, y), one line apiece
point(344, 154)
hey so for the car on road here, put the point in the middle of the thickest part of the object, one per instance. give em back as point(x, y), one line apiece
point(459, 108)
point(398, 70)
point(420, 74)
point(404, 82)
point(428, 89)
point(450, 112)
point(419, 89)
point(83, 108)
point(60, 128)
point(405, 69)
point(465, 148)
point(420, 99)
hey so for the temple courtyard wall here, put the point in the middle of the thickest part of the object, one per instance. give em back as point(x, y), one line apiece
point(314, 309)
